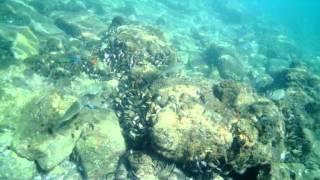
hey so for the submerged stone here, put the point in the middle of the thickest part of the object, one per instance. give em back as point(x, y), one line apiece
point(100, 146)
point(146, 166)
point(186, 128)
point(14, 167)
point(65, 170)
point(196, 126)
point(35, 139)
point(69, 28)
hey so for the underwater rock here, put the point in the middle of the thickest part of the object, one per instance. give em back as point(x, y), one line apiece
point(186, 128)
point(277, 94)
point(293, 171)
point(101, 145)
point(212, 54)
point(132, 103)
point(65, 170)
point(6, 55)
point(144, 166)
point(65, 59)
point(26, 44)
point(193, 127)
point(227, 92)
point(118, 21)
point(135, 50)
point(14, 167)
point(68, 28)
point(223, 58)
point(300, 109)
point(6, 136)
point(230, 68)
point(276, 65)
point(15, 12)
point(296, 77)
point(45, 8)
point(279, 46)
point(24, 27)
point(36, 139)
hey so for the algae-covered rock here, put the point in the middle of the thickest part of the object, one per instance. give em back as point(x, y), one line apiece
point(211, 132)
point(145, 166)
point(186, 128)
point(101, 145)
point(142, 165)
point(24, 27)
point(231, 68)
point(26, 44)
point(20, 43)
point(299, 105)
point(69, 28)
point(226, 60)
point(297, 77)
point(36, 139)
point(227, 92)
point(293, 171)
point(14, 167)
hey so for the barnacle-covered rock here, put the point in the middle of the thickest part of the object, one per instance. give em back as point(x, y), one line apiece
point(36, 137)
point(137, 50)
point(101, 145)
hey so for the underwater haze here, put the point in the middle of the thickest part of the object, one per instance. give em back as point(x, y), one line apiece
point(300, 20)
point(159, 90)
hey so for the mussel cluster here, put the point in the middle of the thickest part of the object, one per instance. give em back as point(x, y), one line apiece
point(135, 55)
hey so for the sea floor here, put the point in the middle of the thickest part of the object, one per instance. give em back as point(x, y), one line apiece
point(94, 89)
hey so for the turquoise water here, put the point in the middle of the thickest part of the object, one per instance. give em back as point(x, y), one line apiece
point(300, 20)
point(168, 89)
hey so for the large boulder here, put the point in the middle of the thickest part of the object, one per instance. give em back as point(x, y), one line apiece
point(185, 127)
point(37, 137)
point(209, 131)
